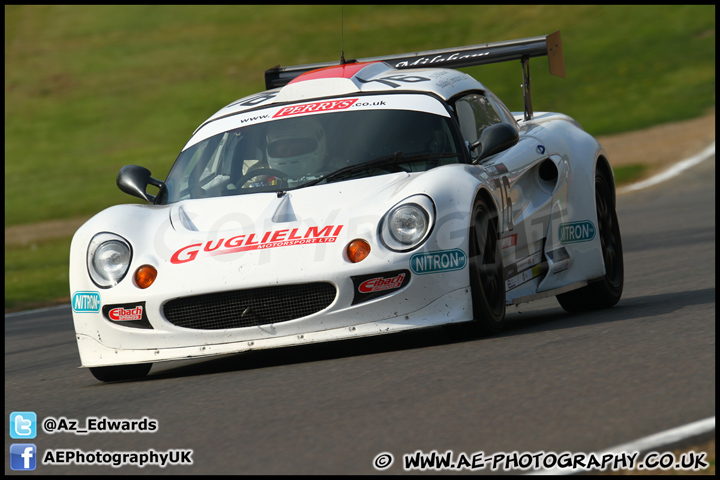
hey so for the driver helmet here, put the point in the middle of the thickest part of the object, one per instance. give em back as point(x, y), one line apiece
point(296, 147)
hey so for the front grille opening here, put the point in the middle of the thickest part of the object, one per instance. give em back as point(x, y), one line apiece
point(249, 308)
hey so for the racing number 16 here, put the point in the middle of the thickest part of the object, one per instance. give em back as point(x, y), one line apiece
point(506, 201)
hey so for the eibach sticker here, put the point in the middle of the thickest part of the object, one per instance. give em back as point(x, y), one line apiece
point(127, 315)
point(368, 287)
point(122, 314)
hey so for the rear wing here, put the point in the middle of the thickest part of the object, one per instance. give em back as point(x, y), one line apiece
point(458, 57)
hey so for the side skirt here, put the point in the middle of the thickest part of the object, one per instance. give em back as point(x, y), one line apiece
point(549, 293)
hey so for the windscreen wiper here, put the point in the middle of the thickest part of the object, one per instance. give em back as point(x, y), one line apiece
point(395, 158)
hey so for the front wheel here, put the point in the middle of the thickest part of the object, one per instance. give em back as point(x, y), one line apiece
point(486, 270)
point(121, 372)
point(606, 292)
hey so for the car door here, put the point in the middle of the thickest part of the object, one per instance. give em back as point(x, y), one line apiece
point(524, 203)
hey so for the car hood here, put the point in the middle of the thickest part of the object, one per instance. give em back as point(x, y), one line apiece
point(203, 245)
point(313, 205)
point(321, 217)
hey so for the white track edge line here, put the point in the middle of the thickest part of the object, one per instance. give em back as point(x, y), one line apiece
point(45, 309)
point(646, 444)
point(672, 171)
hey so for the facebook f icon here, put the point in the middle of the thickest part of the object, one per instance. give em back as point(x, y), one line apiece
point(23, 425)
point(23, 456)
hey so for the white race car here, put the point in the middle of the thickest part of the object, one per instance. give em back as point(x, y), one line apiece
point(348, 200)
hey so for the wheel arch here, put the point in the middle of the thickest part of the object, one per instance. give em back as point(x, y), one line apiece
point(484, 194)
point(603, 165)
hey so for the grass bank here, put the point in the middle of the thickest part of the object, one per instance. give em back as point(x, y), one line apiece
point(89, 89)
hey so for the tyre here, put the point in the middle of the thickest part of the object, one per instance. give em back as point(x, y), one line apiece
point(605, 292)
point(487, 282)
point(121, 372)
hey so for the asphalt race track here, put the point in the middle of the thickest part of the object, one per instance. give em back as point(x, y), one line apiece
point(552, 382)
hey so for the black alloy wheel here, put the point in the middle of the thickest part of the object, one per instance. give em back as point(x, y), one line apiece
point(604, 292)
point(486, 270)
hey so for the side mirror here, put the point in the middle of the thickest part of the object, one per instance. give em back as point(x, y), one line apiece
point(494, 139)
point(134, 179)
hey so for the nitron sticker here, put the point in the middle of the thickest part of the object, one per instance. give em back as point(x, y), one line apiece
point(438, 261)
point(574, 232)
point(86, 302)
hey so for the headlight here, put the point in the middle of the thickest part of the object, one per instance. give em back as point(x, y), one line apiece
point(108, 259)
point(408, 224)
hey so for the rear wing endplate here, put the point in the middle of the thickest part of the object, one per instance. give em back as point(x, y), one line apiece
point(458, 57)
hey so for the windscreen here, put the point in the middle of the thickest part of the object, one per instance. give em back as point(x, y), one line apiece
point(291, 151)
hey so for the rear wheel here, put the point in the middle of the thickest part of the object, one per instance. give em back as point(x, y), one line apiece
point(121, 372)
point(606, 292)
point(486, 270)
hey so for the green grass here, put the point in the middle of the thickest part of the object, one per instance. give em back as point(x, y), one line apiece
point(36, 273)
point(625, 174)
point(89, 89)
